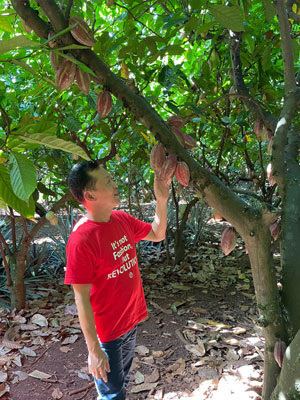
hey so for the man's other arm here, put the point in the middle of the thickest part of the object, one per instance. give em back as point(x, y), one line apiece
point(98, 362)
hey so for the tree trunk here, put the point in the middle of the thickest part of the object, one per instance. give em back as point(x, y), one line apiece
point(268, 300)
point(17, 268)
point(290, 253)
point(288, 386)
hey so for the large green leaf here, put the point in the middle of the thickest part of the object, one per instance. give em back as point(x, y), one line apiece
point(55, 143)
point(231, 17)
point(25, 208)
point(16, 42)
point(22, 176)
point(5, 23)
point(269, 9)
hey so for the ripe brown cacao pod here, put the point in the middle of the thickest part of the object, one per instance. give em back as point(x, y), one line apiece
point(83, 80)
point(52, 43)
point(175, 120)
point(274, 229)
point(189, 142)
point(279, 352)
point(228, 241)
point(65, 75)
point(157, 157)
point(168, 168)
point(56, 60)
point(82, 33)
point(104, 103)
point(182, 173)
point(261, 131)
point(179, 135)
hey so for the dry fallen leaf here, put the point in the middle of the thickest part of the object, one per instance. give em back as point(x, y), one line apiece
point(70, 339)
point(142, 350)
point(65, 349)
point(139, 378)
point(57, 394)
point(39, 374)
point(154, 377)
point(26, 351)
point(198, 350)
point(143, 387)
point(39, 319)
point(3, 376)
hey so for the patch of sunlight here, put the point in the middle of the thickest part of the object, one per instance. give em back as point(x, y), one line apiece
point(281, 396)
point(288, 353)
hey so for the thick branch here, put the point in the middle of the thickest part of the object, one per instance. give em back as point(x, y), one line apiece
point(6, 266)
point(286, 46)
point(29, 15)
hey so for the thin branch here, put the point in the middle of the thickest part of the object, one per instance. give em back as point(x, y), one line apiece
point(13, 228)
point(6, 266)
point(5, 244)
point(68, 9)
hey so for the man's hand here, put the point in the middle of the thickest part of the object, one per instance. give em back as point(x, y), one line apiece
point(98, 364)
point(161, 189)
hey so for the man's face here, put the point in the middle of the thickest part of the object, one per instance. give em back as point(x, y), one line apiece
point(105, 192)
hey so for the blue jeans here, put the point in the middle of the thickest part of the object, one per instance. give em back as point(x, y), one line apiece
point(120, 354)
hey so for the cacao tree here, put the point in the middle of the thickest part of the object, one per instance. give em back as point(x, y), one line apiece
point(224, 68)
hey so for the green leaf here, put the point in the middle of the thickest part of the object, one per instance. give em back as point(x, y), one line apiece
point(5, 24)
point(33, 71)
point(16, 42)
point(231, 17)
point(265, 61)
point(55, 143)
point(269, 10)
point(25, 208)
point(73, 124)
point(22, 176)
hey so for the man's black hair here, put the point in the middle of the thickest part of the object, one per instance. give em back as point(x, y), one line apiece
point(80, 180)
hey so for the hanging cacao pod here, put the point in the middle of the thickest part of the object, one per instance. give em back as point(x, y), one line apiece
point(279, 352)
point(104, 103)
point(229, 239)
point(52, 43)
point(56, 60)
point(157, 157)
point(189, 142)
point(179, 135)
point(175, 120)
point(274, 229)
point(65, 75)
point(182, 173)
point(168, 168)
point(83, 80)
point(82, 33)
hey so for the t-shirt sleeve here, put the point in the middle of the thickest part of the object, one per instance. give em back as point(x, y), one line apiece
point(139, 228)
point(80, 267)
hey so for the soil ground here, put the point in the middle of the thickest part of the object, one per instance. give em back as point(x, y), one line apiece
point(201, 340)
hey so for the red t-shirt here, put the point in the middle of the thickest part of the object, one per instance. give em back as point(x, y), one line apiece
point(104, 255)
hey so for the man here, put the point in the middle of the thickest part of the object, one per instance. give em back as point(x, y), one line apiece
point(103, 270)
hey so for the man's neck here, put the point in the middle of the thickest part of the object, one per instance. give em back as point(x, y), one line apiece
point(99, 215)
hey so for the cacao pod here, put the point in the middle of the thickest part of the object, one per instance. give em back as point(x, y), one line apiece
point(157, 157)
point(189, 142)
point(52, 43)
point(182, 173)
point(270, 175)
point(168, 168)
point(104, 103)
point(56, 60)
point(82, 33)
point(65, 75)
point(175, 120)
point(179, 135)
point(228, 241)
point(274, 229)
point(49, 215)
point(83, 80)
point(279, 352)
point(261, 131)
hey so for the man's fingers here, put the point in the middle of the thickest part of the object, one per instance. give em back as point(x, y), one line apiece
point(107, 367)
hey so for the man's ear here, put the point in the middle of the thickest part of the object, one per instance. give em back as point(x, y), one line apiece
point(88, 196)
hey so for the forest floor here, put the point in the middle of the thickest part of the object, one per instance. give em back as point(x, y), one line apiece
point(200, 341)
